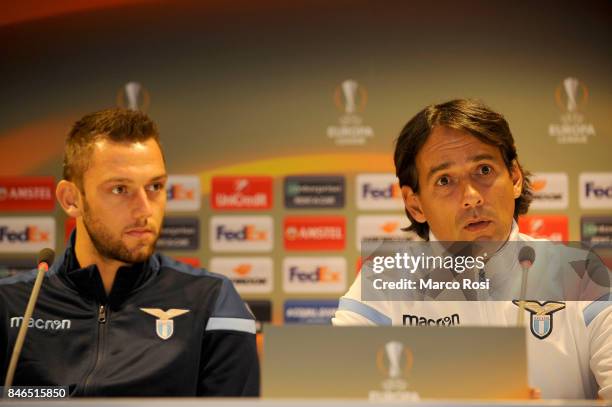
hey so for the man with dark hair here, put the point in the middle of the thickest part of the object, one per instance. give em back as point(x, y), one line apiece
point(460, 125)
point(461, 181)
point(117, 319)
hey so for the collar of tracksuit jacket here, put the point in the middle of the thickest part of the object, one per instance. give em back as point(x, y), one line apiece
point(88, 283)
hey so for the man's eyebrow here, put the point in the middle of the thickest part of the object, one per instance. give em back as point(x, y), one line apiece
point(161, 177)
point(118, 180)
point(481, 157)
point(124, 180)
point(447, 164)
point(437, 168)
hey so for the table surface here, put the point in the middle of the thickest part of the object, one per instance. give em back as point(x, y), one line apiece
point(225, 402)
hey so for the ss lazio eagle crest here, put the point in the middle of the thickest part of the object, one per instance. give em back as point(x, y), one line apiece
point(541, 316)
point(164, 325)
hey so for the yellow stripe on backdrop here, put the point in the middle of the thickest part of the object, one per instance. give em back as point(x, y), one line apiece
point(342, 163)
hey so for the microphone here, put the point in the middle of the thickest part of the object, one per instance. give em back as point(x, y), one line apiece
point(526, 259)
point(45, 258)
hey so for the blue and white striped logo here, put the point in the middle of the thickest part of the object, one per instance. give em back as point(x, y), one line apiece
point(541, 316)
point(164, 325)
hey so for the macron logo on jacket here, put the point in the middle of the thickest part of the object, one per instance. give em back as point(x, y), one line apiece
point(39, 323)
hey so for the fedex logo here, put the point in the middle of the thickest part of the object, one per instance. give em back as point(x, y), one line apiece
point(246, 233)
point(26, 234)
point(236, 193)
point(307, 274)
point(27, 194)
point(378, 191)
point(183, 193)
point(387, 192)
point(241, 233)
point(319, 274)
point(596, 190)
point(180, 193)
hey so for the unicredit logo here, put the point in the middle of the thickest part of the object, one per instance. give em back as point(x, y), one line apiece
point(247, 233)
point(320, 274)
point(241, 201)
point(241, 193)
point(27, 234)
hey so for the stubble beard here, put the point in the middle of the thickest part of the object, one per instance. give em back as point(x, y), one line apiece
point(108, 246)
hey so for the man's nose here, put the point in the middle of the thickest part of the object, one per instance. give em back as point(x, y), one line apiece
point(141, 205)
point(471, 196)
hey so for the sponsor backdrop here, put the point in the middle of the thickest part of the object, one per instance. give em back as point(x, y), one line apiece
point(278, 122)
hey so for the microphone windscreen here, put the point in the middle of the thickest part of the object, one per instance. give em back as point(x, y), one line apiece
point(46, 256)
point(526, 254)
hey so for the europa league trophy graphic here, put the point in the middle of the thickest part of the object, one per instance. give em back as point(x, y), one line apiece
point(350, 98)
point(133, 96)
point(349, 88)
point(390, 358)
point(571, 97)
point(132, 93)
point(394, 352)
point(351, 92)
point(571, 90)
point(394, 361)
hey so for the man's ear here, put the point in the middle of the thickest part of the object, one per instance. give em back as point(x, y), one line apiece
point(413, 205)
point(517, 179)
point(69, 197)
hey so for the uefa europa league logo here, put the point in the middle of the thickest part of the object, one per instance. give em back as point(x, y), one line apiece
point(394, 352)
point(133, 96)
point(350, 97)
point(571, 90)
point(349, 88)
point(571, 95)
point(394, 361)
point(132, 91)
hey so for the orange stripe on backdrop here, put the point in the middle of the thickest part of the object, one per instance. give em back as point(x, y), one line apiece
point(14, 12)
point(23, 11)
point(25, 149)
point(341, 163)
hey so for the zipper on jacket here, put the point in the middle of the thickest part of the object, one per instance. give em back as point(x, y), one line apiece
point(102, 314)
point(102, 318)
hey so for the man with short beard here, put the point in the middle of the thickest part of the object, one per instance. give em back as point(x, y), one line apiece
point(126, 321)
point(461, 181)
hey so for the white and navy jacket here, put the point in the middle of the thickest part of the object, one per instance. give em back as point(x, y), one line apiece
point(569, 351)
point(166, 329)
